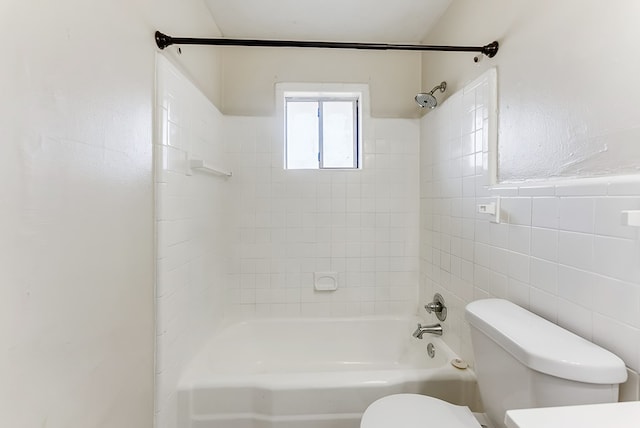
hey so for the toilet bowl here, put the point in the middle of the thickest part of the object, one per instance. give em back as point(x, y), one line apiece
point(416, 411)
point(522, 361)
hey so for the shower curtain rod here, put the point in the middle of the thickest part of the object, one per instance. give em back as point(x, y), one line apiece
point(163, 41)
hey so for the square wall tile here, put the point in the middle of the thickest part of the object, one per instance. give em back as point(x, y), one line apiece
point(520, 239)
point(519, 267)
point(576, 249)
point(617, 258)
point(544, 243)
point(519, 210)
point(545, 212)
point(618, 300)
point(576, 214)
point(544, 275)
point(577, 286)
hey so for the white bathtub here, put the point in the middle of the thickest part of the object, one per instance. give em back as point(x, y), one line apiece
point(313, 373)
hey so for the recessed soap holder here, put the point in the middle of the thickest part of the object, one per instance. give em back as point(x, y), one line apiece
point(325, 281)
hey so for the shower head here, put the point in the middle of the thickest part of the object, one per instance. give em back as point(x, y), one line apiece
point(428, 99)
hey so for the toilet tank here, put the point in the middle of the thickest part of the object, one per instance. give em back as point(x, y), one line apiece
point(524, 361)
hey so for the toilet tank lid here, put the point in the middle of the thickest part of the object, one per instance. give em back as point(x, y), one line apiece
point(544, 346)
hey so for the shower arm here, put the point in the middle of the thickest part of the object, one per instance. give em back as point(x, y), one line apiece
point(163, 41)
point(442, 86)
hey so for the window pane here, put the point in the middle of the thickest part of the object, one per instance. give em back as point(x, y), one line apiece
point(302, 135)
point(338, 140)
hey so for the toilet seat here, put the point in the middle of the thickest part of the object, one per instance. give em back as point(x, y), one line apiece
point(416, 411)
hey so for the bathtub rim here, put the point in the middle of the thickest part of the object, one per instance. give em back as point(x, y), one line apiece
point(197, 373)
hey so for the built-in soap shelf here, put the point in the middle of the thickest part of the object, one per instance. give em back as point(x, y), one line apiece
point(325, 281)
point(631, 218)
point(201, 165)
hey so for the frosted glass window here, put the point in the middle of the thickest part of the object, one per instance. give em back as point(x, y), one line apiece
point(338, 132)
point(321, 133)
point(302, 135)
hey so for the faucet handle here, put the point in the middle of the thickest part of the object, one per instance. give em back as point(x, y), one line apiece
point(433, 307)
point(418, 333)
point(437, 306)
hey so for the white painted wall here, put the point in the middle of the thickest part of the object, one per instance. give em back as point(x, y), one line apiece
point(567, 81)
point(76, 207)
point(250, 75)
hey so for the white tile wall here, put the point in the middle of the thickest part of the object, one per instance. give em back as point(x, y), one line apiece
point(561, 252)
point(362, 224)
point(192, 223)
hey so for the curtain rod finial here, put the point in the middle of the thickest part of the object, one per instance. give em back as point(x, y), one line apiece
point(491, 49)
point(162, 40)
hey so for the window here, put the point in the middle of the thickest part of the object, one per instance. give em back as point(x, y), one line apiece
point(322, 131)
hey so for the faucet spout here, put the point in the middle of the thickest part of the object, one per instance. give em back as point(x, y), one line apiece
point(435, 329)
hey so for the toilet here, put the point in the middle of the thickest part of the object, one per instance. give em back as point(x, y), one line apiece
point(522, 361)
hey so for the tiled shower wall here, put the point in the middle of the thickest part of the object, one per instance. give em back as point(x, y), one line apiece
point(192, 229)
point(361, 224)
point(560, 249)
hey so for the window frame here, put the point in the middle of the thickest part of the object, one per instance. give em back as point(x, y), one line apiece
point(320, 99)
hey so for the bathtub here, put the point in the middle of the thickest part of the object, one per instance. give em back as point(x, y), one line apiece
point(313, 373)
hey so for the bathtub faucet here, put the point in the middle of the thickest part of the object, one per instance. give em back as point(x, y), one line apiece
point(431, 329)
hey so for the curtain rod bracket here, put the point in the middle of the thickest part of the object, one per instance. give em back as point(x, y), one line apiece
point(491, 49)
point(163, 41)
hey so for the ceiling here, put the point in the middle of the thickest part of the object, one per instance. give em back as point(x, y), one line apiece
point(382, 21)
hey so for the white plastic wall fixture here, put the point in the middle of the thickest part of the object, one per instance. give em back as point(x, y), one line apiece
point(201, 164)
point(631, 218)
point(492, 209)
